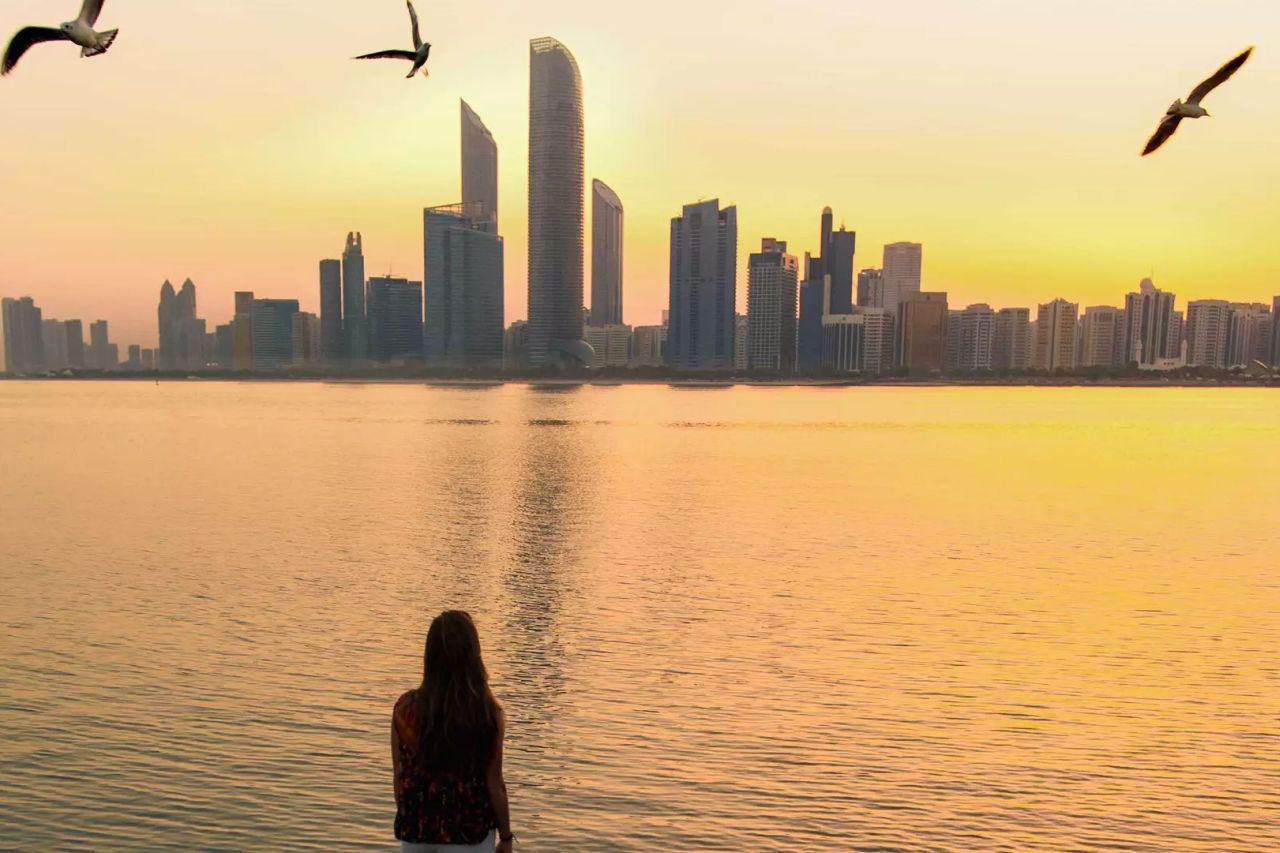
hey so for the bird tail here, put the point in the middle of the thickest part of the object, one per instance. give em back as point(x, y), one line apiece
point(105, 40)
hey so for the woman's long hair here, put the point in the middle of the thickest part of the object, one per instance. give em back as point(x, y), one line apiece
point(458, 716)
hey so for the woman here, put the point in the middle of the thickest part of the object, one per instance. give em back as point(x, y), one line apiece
point(446, 749)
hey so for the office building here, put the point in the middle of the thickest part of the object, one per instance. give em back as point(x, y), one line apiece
point(225, 347)
point(271, 331)
point(1149, 325)
point(463, 291)
point(515, 346)
point(648, 346)
point(861, 342)
point(815, 304)
point(333, 344)
point(1250, 336)
point(395, 320)
point(355, 316)
point(606, 256)
point(835, 261)
point(971, 336)
point(479, 170)
point(1101, 335)
point(870, 288)
point(22, 320)
point(772, 283)
point(556, 178)
point(1012, 348)
point(103, 355)
point(921, 331)
point(181, 331)
point(1056, 335)
point(75, 344)
point(703, 287)
point(134, 361)
point(242, 332)
point(900, 275)
point(53, 345)
point(611, 345)
point(307, 349)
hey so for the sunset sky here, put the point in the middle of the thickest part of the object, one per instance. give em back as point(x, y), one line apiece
point(235, 142)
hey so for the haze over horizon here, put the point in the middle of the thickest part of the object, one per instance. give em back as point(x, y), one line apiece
point(1003, 137)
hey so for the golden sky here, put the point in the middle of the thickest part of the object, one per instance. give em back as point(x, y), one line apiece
point(235, 143)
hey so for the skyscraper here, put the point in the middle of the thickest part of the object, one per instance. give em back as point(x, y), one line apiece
point(355, 319)
point(1148, 321)
point(1250, 337)
point(1208, 333)
point(167, 318)
point(1056, 335)
point(479, 169)
point(103, 355)
point(606, 256)
point(972, 337)
point(242, 332)
point(741, 334)
point(772, 280)
point(53, 342)
point(921, 331)
point(75, 343)
point(815, 304)
point(903, 263)
point(271, 322)
point(463, 259)
point(1012, 349)
point(332, 343)
point(181, 332)
point(870, 288)
point(23, 330)
point(556, 179)
point(1101, 331)
point(704, 290)
point(395, 320)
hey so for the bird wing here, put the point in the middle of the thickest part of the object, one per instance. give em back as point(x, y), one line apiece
point(1224, 74)
point(1166, 129)
point(90, 11)
point(391, 54)
point(26, 38)
point(413, 16)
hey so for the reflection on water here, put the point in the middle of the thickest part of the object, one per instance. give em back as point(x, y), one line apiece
point(759, 619)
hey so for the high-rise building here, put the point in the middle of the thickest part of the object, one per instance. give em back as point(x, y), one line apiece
point(901, 273)
point(226, 346)
point(815, 304)
point(463, 259)
point(772, 282)
point(103, 355)
point(741, 335)
point(271, 322)
point(479, 169)
point(167, 318)
point(861, 342)
point(1056, 335)
point(1275, 332)
point(971, 336)
point(835, 260)
point(921, 331)
point(1148, 324)
point(355, 317)
point(556, 182)
point(307, 351)
point(870, 288)
point(23, 350)
point(704, 289)
point(1012, 348)
point(75, 344)
point(134, 362)
point(612, 345)
point(181, 331)
point(606, 256)
point(648, 346)
point(332, 342)
point(242, 332)
point(1250, 335)
point(515, 346)
point(1208, 333)
point(395, 320)
point(1101, 329)
point(53, 343)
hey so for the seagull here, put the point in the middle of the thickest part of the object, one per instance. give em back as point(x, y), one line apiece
point(1192, 109)
point(80, 31)
point(418, 56)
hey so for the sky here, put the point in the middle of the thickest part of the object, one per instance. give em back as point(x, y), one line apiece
point(236, 144)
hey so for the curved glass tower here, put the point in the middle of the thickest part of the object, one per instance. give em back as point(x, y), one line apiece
point(556, 188)
point(479, 168)
point(606, 256)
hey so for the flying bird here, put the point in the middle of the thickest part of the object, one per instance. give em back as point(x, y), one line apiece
point(1192, 109)
point(80, 32)
point(418, 56)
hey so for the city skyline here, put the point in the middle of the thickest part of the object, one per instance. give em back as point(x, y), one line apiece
point(1003, 203)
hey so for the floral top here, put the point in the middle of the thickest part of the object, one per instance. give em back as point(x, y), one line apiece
point(436, 807)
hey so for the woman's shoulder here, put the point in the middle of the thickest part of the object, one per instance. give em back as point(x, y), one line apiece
point(403, 712)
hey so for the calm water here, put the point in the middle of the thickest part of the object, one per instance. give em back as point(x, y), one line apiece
point(748, 619)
